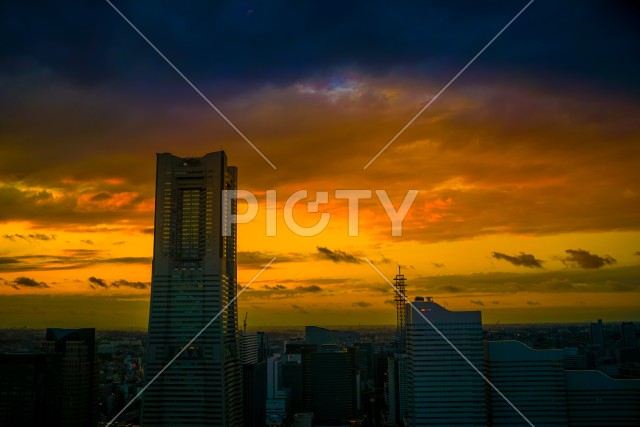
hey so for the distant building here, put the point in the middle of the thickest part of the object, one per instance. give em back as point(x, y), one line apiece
point(596, 348)
point(322, 336)
point(254, 379)
point(274, 375)
point(397, 388)
point(293, 380)
point(596, 400)
point(596, 334)
point(299, 347)
point(533, 380)
point(263, 346)
point(254, 389)
point(193, 280)
point(278, 403)
point(249, 347)
point(628, 353)
point(442, 388)
point(629, 339)
point(331, 385)
point(78, 389)
point(366, 364)
point(319, 336)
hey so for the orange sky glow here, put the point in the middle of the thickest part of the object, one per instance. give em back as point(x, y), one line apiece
point(528, 206)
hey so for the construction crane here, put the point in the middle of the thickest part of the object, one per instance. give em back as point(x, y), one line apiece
point(244, 324)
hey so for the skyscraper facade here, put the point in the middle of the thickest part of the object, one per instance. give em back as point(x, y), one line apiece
point(193, 279)
point(249, 347)
point(443, 389)
point(597, 400)
point(533, 380)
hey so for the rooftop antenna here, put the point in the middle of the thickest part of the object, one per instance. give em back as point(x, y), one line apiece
point(401, 320)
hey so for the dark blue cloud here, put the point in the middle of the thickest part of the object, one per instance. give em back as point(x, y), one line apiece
point(258, 42)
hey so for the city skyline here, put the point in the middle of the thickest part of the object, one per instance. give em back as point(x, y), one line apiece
point(526, 166)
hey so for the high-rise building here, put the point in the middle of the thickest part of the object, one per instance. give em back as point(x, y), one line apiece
point(292, 379)
point(331, 385)
point(596, 334)
point(319, 336)
point(78, 387)
point(254, 380)
point(278, 397)
point(274, 375)
point(397, 380)
point(628, 353)
point(533, 380)
point(193, 279)
point(254, 389)
point(443, 389)
point(322, 336)
point(249, 347)
point(263, 346)
point(629, 339)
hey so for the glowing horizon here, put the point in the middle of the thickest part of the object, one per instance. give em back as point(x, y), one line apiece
point(528, 206)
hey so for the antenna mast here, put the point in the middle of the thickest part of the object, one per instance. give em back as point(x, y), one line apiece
point(401, 320)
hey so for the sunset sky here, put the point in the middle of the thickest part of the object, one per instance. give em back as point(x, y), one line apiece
point(527, 166)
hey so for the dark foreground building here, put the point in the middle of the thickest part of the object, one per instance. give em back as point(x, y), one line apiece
point(56, 387)
point(331, 385)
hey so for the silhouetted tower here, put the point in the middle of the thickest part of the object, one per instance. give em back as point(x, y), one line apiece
point(401, 320)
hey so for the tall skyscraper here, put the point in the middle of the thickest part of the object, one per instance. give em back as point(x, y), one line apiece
point(443, 389)
point(193, 279)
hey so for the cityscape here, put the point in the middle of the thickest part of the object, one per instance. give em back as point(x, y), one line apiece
point(197, 367)
point(299, 214)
